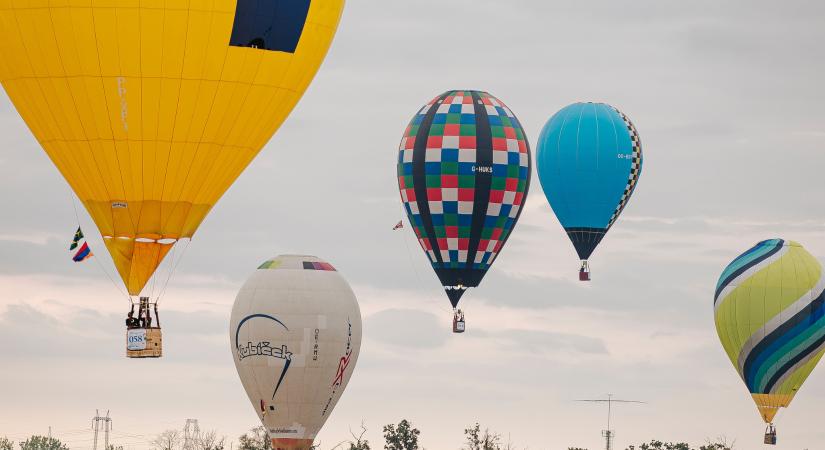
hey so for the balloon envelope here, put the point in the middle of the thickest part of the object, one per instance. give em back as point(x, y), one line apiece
point(589, 158)
point(150, 110)
point(769, 309)
point(295, 333)
point(463, 174)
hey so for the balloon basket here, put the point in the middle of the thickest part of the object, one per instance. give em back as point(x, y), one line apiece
point(770, 435)
point(584, 271)
point(144, 343)
point(458, 322)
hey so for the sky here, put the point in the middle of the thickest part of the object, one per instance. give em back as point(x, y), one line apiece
point(727, 98)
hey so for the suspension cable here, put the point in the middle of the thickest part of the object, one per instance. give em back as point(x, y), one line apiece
point(99, 264)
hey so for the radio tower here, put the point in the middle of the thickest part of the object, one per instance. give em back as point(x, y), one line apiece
point(107, 426)
point(609, 434)
point(191, 434)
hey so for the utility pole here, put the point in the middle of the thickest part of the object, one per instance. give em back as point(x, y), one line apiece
point(191, 434)
point(107, 426)
point(609, 434)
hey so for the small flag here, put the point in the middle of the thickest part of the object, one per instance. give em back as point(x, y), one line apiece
point(83, 251)
point(78, 235)
point(398, 225)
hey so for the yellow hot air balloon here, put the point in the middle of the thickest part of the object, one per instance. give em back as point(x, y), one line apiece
point(152, 108)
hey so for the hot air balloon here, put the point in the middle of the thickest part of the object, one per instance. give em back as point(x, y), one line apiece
point(589, 158)
point(295, 332)
point(150, 113)
point(463, 174)
point(769, 309)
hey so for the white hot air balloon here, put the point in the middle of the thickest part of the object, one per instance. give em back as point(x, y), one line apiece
point(295, 332)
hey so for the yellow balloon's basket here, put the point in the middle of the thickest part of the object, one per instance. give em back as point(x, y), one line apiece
point(144, 343)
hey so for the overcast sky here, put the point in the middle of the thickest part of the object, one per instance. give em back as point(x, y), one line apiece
point(727, 98)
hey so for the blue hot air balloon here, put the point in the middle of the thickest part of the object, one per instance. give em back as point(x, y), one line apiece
point(589, 159)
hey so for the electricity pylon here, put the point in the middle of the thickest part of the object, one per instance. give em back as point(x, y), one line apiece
point(107, 426)
point(191, 434)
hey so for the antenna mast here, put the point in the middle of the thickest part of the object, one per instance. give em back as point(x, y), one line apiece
point(609, 434)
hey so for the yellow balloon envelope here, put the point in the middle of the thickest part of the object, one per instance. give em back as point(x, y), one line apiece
point(152, 108)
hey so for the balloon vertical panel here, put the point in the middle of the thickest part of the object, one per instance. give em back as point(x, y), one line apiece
point(150, 110)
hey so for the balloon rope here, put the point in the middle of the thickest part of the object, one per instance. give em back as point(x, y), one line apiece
point(154, 279)
point(155, 275)
point(97, 260)
point(427, 292)
point(174, 268)
point(779, 414)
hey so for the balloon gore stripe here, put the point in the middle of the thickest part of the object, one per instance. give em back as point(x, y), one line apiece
point(799, 337)
point(758, 253)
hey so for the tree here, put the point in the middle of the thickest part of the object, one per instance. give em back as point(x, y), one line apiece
point(114, 447)
point(402, 437)
point(210, 441)
point(478, 440)
point(6, 444)
point(42, 443)
point(168, 440)
point(714, 446)
point(720, 444)
point(256, 439)
point(359, 443)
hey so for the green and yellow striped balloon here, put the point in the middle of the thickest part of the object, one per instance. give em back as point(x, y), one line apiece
point(770, 315)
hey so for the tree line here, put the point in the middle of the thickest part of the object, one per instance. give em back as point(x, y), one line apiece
point(400, 436)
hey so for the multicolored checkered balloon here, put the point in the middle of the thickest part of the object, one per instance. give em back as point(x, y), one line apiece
point(463, 173)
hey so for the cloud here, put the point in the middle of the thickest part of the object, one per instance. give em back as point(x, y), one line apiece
point(28, 333)
point(61, 332)
point(538, 342)
point(408, 328)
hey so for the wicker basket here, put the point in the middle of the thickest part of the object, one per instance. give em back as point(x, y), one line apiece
point(144, 343)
